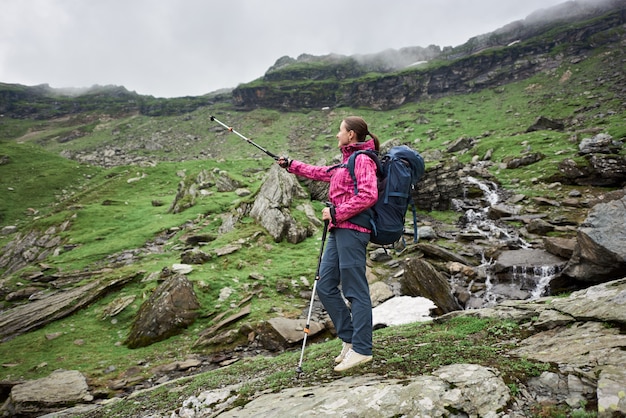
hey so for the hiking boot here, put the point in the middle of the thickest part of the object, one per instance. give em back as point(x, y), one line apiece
point(351, 360)
point(344, 350)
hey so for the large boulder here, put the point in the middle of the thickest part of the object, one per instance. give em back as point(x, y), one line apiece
point(600, 252)
point(271, 206)
point(171, 308)
point(422, 279)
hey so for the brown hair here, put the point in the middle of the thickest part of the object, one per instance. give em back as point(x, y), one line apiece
point(359, 126)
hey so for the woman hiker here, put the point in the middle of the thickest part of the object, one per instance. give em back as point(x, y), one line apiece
point(343, 261)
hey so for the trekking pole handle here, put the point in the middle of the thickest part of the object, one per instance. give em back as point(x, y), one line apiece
point(230, 129)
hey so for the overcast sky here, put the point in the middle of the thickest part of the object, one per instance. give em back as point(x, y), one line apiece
point(173, 48)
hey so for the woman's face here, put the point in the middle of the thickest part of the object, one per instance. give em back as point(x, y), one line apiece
point(344, 136)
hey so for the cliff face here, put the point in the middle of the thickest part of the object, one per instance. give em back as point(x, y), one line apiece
point(474, 66)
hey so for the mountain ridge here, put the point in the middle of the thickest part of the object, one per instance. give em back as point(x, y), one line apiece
point(43, 101)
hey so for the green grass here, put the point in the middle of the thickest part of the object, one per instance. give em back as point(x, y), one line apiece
point(36, 179)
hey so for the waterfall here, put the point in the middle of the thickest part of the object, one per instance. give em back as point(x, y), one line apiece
point(546, 274)
point(491, 194)
point(525, 281)
point(478, 221)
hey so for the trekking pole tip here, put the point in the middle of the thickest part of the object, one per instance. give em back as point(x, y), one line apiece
point(212, 118)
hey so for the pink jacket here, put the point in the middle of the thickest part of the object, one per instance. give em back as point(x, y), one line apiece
point(341, 189)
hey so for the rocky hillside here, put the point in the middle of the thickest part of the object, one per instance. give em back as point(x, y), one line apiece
point(515, 52)
point(154, 264)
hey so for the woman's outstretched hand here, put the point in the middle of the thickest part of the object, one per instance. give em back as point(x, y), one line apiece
point(284, 162)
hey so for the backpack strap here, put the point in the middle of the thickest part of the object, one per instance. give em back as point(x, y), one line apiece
point(416, 235)
point(351, 163)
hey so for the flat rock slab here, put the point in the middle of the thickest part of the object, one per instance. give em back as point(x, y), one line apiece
point(527, 258)
point(470, 388)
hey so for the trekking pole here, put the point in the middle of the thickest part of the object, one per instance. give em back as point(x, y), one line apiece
point(245, 139)
point(307, 329)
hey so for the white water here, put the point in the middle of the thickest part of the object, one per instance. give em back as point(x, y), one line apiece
point(478, 222)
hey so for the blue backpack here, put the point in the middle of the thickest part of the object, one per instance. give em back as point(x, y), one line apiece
point(398, 172)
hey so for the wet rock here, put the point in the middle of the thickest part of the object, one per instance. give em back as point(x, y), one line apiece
point(498, 211)
point(508, 261)
point(561, 247)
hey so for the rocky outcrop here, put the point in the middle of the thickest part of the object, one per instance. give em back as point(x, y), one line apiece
point(172, 307)
point(471, 69)
point(191, 188)
point(439, 186)
point(600, 251)
point(56, 305)
point(579, 335)
point(31, 247)
point(477, 391)
point(271, 207)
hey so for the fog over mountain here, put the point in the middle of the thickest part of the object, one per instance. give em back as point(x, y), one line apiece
point(167, 48)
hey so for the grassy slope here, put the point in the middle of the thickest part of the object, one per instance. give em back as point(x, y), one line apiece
point(59, 189)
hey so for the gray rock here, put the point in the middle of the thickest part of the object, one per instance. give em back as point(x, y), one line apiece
point(601, 143)
point(36, 314)
point(271, 206)
point(422, 279)
point(508, 260)
point(611, 398)
point(62, 388)
point(600, 253)
point(466, 388)
point(172, 307)
point(604, 302)
point(379, 293)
